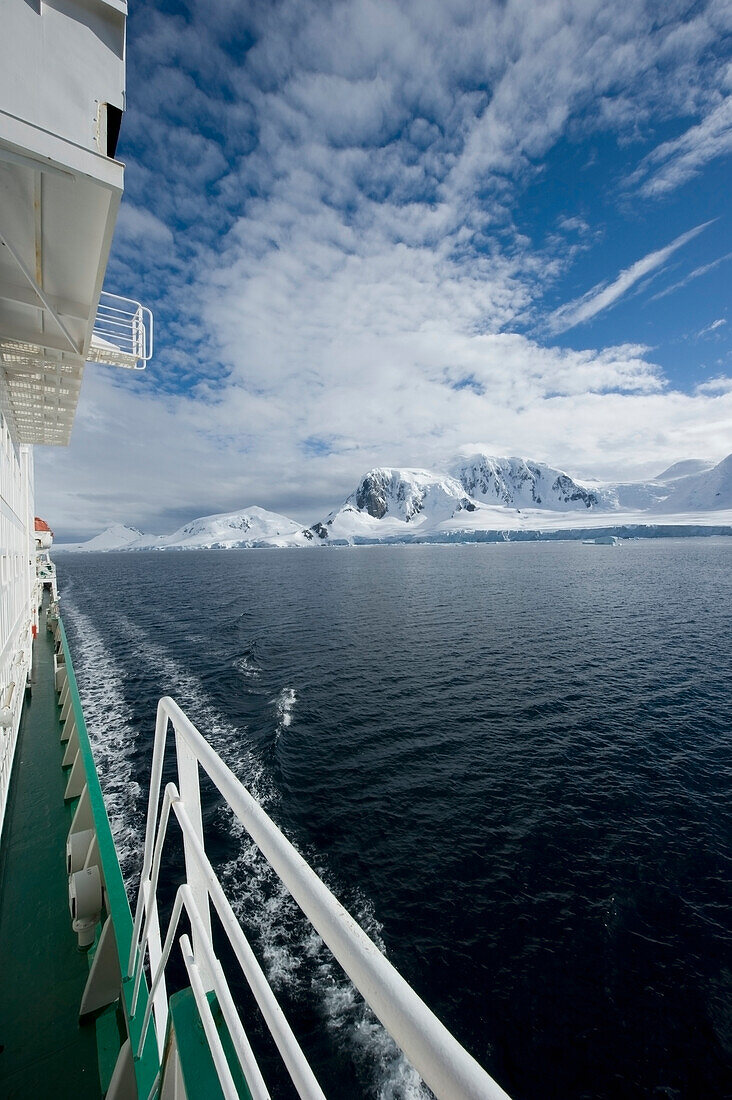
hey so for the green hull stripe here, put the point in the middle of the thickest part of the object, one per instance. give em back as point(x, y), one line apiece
point(146, 1067)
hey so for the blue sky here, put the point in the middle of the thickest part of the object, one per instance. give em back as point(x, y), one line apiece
point(380, 232)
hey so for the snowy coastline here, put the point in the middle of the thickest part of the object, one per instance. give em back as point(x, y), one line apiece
point(482, 499)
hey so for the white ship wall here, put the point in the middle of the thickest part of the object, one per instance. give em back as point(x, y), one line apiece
point(18, 593)
point(61, 59)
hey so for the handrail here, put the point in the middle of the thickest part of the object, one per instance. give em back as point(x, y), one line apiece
point(184, 900)
point(123, 332)
point(444, 1065)
point(287, 1044)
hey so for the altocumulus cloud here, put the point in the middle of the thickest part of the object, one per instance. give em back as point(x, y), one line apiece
point(322, 207)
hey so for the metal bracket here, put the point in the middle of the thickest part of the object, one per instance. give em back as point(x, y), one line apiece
point(83, 816)
point(72, 747)
point(40, 294)
point(123, 1085)
point(77, 779)
point(104, 984)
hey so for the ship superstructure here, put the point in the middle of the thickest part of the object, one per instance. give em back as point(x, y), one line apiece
point(62, 88)
point(62, 92)
point(84, 1008)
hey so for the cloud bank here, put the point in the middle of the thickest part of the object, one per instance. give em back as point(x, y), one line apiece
point(326, 208)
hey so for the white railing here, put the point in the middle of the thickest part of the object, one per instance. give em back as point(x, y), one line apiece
point(444, 1065)
point(45, 574)
point(123, 333)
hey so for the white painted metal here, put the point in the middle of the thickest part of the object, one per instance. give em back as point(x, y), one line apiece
point(148, 935)
point(185, 900)
point(46, 573)
point(237, 1034)
point(105, 977)
point(39, 391)
point(292, 1056)
point(204, 1009)
point(61, 97)
point(59, 61)
point(18, 592)
point(445, 1066)
point(290, 1052)
point(85, 903)
point(123, 333)
point(43, 302)
point(158, 974)
point(55, 235)
point(190, 792)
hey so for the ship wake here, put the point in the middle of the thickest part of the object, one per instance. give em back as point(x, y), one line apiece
point(291, 952)
point(101, 681)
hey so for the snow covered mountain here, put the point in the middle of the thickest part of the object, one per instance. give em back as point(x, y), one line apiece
point(116, 537)
point(691, 485)
point(682, 469)
point(709, 489)
point(388, 502)
point(520, 483)
point(486, 494)
point(483, 498)
point(229, 529)
point(252, 526)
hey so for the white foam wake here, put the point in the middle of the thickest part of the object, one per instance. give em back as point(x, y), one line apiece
point(292, 953)
point(100, 680)
point(354, 1025)
point(284, 709)
point(191, 695)
point(296, 959)
point(247, 667)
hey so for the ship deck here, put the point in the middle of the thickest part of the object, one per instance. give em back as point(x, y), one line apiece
point(43, 1049)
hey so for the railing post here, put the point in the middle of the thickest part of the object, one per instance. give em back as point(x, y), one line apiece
point(155, 951)
point(147, 901)
point(137, 342)
point(190, 793)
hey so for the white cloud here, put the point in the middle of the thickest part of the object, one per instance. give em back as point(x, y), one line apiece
point(720, 385)
point(712, 327)
point(138, 224)
point(695, 274)
point(602, 296)
point(675, 162)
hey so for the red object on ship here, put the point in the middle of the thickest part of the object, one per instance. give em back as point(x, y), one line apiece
point(44, 534)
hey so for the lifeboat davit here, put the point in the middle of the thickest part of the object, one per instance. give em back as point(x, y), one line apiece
point(44, 534)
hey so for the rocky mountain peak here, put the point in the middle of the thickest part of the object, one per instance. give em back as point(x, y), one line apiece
point(520, 483)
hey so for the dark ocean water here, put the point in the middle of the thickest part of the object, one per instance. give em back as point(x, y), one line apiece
point(512, 763)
